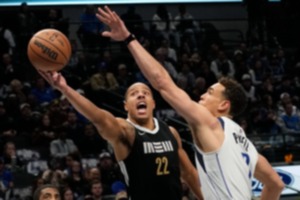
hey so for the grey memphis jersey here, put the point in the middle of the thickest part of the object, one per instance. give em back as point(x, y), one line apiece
point(227, 173)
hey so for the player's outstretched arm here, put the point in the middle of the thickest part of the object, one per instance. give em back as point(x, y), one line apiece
point(273, 185)
point(153, 70)
point(104, 121)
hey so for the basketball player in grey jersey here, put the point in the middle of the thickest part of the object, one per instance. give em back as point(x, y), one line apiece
point(226, 159)
point(167, 161)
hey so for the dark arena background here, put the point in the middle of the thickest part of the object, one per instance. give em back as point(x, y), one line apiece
point(254, 41)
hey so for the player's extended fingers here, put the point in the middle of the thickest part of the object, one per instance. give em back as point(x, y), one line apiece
point(111, 13)
point(103, 14)
point(116, 16)
point(106, 34)
point(103, 19)
point(43, 74)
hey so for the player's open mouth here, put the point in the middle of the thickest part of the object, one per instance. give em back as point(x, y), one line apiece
point(141, 107)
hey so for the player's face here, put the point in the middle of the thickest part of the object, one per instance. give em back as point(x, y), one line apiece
point(49, 194)
point(139, 101)
point(213, 97)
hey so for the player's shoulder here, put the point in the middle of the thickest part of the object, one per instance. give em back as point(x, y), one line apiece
point(128, 130)
point(123, 123)
point(228, 121)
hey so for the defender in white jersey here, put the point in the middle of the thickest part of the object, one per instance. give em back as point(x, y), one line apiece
point(234, 160)
point(226, 159)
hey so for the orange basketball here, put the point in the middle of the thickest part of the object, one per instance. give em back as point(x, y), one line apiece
point(49, 50)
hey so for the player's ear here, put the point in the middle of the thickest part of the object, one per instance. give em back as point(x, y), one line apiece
point(224, 105)
point(125, 105)
point(154, 105)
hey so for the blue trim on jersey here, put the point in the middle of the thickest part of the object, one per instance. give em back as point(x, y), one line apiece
point(219, 164)
point(200, 160)
point(221, 121)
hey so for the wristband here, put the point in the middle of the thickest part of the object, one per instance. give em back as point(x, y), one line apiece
point(130, 38)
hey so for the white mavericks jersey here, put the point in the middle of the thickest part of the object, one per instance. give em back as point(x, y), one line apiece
point(227, 173)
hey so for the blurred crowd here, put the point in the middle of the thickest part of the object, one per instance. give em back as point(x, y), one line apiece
point(45, 140)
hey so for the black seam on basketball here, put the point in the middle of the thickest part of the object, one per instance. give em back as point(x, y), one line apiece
point(46, 59)
point(53, 46)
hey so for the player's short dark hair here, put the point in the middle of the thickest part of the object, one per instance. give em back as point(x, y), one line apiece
point(37, 192)
point(126, 93)
point(235, 94)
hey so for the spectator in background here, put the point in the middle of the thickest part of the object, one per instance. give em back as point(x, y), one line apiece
point(7, 127)
point(27, 123)
point(10, 69)
point(249, 89)
point(285, 98)
point(277, 70)
point(266, 116)
point(73, 127)
point(91, 143)
point(27, 24)
point(93, 174)
point(74, 59)
point(42, 91)
point(53, 176)
point(11, 159)
point(285, 86)
point(124, 78)
point(84, 68)
point(67, 193)
point(161, 56)
point(54, 20)
point(76, 180)
point(62, 146)
point(90, 29)
point(5, 120)
point(222, 66)
point(120, 190)
point(47, 191)
point(187, 26)
point(195, 61)
point(256, 21)
point(171, 52)
point(266, 87)
point(56, 114)
point(4, 88)
point(110, 172)
point(7, 40)
point(163, 26)
point(96, 191)
point(68, 162)
point(103, 80)
point(198, 89)
point(212, 52)
point(20, 90)
point(206, 73)
point(239, 65)
point(6, 179)
point(43, 134)
point(258, 66)
point(289, 121)
point(134, 22)
point(186, 78)
point(38, 181)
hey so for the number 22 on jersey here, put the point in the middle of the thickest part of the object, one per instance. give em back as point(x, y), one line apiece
point(162, 166)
